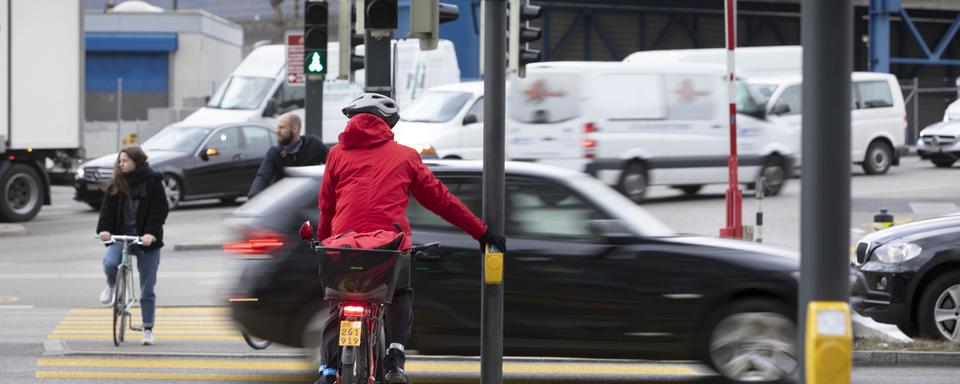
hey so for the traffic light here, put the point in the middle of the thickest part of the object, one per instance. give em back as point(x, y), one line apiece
point(425, 19)
point(381, 14)
point(315, 38)
point(521, 35)
point(349, 39)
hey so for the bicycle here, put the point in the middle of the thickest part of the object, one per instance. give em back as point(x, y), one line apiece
point(125, 293)
point(360, 282)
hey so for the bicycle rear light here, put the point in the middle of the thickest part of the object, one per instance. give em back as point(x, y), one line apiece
point(353, 310)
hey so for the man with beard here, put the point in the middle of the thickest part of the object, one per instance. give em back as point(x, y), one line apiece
point(292, 150)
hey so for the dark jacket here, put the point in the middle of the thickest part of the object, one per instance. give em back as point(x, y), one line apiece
point(151, 214)
point(310, 151)
point(369, 179)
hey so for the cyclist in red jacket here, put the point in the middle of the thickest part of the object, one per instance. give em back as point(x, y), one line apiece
point(366, 184)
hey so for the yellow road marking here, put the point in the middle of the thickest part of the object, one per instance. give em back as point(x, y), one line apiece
point(161, 320)
point(136, 336)
point(159, 310)
point(109, 317)
point(170, 376)
point(165, 327)
point(280, 365)
point(412, 366)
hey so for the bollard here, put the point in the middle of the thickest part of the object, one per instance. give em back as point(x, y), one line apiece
point(882, 220)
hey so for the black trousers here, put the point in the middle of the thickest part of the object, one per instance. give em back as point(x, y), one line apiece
point(398, 319)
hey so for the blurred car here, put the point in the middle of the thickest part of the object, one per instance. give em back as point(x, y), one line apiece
point(939, 143)
point(909, 275)
point(445, 122)
point(588, 274)
point(198, 161)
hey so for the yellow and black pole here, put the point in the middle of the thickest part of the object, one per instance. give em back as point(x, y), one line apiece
point(494, 114)
point(826, 335)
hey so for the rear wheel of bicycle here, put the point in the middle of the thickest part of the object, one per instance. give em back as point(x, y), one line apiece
point(119, 306)
point(353, 365)
point(255, 342)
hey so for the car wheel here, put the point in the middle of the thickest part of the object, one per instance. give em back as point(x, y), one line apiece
point(774, 172)
point(943, 163)
point(940, 309)
point(174, 190)
point(21, 193)
point(689, 190)
point(878, 160)
point(753, 341)
point(633, 181)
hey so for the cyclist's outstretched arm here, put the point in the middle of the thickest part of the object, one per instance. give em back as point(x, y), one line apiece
point(266, 174)
point(433, 195)
point(327, 198)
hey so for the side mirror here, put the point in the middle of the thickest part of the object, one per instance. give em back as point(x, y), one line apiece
point(210, 152)
point(306, 232)
point(470, 119)
point(779, 109)
point(611, 229)
point(270, 109)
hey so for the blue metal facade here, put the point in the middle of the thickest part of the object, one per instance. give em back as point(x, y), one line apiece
point(141, 60)
point(464, 33)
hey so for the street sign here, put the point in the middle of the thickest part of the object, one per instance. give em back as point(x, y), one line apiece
point(295, 59)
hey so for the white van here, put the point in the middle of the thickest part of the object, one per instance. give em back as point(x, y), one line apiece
point(952, 112)
point(257, 89)
point(444, 122)
point(753, 61)
point(878, 120)
point(633, 125)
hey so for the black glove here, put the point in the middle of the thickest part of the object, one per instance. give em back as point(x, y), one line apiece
point(490, 238)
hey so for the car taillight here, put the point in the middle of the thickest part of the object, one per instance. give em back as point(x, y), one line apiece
point(259, 243)
point(352, 311)
point(589, 128)
point(589, 145)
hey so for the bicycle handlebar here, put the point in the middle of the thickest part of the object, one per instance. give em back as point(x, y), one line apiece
point(138, 240)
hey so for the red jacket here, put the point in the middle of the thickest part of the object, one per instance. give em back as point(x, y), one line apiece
point(368, 179)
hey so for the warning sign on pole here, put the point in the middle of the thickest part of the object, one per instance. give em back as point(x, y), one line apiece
point(294, 43)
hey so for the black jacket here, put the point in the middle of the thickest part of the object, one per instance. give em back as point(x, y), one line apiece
point(151, 214)
point(311, 151)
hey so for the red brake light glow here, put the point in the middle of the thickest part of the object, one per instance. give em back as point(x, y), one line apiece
point(589, 128)
point(255, 244)
point(353, 310)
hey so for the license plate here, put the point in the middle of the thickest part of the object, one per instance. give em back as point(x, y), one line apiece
point(350, 332)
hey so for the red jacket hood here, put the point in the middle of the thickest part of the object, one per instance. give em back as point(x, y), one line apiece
point(365, 130)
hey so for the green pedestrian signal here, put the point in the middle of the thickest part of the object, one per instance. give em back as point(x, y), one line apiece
point(316, 62)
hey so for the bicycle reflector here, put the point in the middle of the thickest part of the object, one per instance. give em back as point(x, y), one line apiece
point(353, 310)
point(259, 243)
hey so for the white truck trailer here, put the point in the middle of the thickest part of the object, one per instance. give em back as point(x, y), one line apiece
point(41, 100)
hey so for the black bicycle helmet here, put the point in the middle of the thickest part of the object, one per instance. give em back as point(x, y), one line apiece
point(374, 104)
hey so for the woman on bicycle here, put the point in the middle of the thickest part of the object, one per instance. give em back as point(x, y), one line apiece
point(135, 205)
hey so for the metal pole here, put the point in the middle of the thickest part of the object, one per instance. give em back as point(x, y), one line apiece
point(734, 226)
point(376, 61)
point(494, 113)
point(827, 36)
point(119, 110)
point(761, 190)
point(915, 129)
point(313, 106)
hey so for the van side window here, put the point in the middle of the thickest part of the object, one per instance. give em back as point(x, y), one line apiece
point(691, 97)
point(289, 98)
point(477, 110)
point(874, 94)
point(790, 101)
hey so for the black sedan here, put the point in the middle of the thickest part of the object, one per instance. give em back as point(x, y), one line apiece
point(588, 273)
point(197, 162)
point(909, 275)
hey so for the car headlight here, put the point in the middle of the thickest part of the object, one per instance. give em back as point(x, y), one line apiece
point(427, 150)
point(896, 253)
point(79, 172)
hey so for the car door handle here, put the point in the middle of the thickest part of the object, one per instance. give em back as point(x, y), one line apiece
point(716, 126)
point(548, 139)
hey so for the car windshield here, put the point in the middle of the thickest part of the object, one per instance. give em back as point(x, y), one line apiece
point(762, 91)
point(434, 107)
point(181, 139)
point(241, 92)
point(749, 101)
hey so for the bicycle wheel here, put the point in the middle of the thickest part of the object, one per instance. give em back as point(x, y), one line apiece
point(119, 306)
point(255, 342)
point(353, 367)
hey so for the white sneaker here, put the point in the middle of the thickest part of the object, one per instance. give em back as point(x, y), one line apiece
point(148, 337)
point(106, 296)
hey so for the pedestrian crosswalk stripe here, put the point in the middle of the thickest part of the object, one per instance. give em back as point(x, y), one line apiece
point(166, 331)
point(137, 336)
point(172, 376)
point(258, 364)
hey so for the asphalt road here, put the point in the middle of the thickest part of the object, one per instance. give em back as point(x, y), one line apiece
point(52, 328)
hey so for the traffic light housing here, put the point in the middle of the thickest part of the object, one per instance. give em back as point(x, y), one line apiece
point(349, 39)
point(425, 19)
point(522, 34)
point(315, 38)
point(381, 14)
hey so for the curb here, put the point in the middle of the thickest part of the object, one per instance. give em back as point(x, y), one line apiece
point(197, 247)
point(884, 358)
